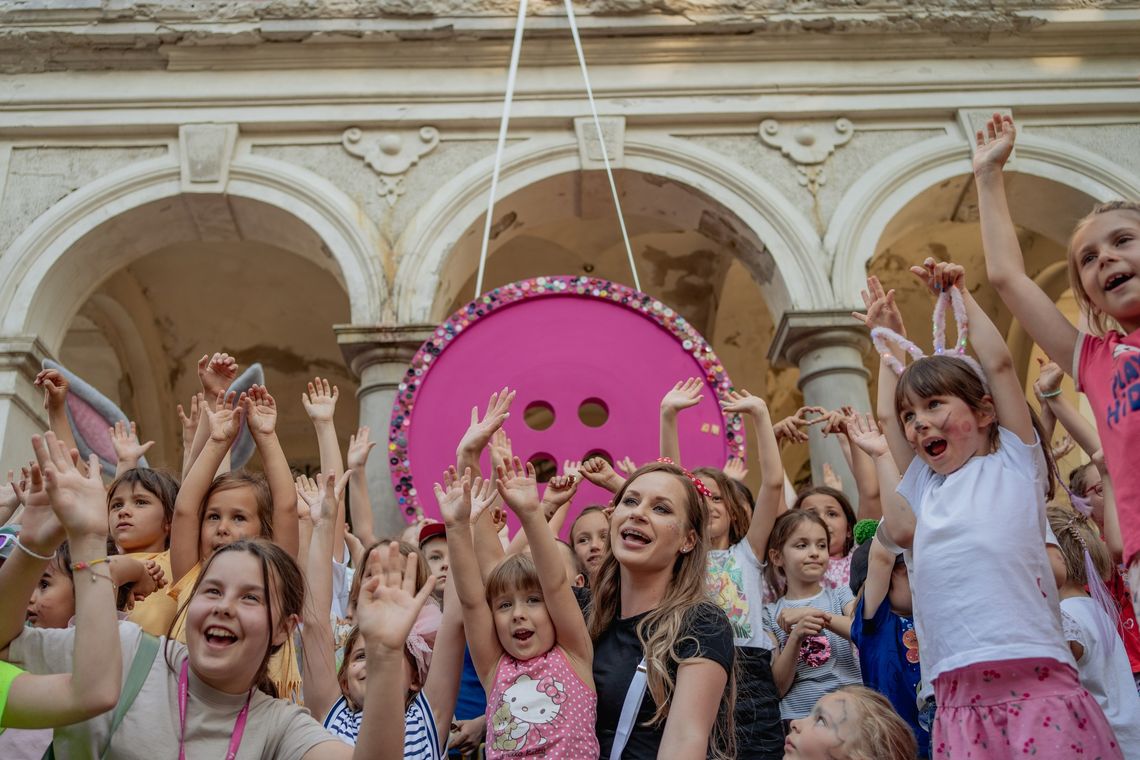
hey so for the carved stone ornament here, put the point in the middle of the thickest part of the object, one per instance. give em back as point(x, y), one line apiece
point(390, 154)
point(806, 142)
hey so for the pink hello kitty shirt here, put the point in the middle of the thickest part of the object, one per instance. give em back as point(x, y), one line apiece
point(540, 707)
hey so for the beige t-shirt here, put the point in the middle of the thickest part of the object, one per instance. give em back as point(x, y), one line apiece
point(276, 729)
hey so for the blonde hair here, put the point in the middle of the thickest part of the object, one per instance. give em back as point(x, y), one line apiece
point(880, 734)
point(1099, 322)
point(660, 630)
point(1075, 533)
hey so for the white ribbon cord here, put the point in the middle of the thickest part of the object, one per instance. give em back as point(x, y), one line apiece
point(601, 140)
point(512, 72)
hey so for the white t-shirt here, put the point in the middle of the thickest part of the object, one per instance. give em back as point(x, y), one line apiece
point(1104, 670)
point(981, 575)
point(736, 585)
point(342, 576)
point(276, 729)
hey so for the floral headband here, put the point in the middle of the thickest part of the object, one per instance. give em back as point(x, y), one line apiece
point(699, 484)
point(882, 336)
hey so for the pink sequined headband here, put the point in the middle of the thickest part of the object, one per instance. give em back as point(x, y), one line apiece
point(699, 484)
point(883, 336)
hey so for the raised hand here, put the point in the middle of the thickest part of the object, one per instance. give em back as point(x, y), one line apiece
point(864, 432)
point(735, 469)
point(330, 489)
point(559, 491)
point(454, 496)
point(10, 496)
point(224, 419)
point(831, 478)
point(684, 394)
point(216, 373)
point(599, 472)
point(355, 548)
point(308, 497)
point(484, 496)
point(1063, 447)
point(389, 603)
point(940, 276)
point(1049, 377)
point(125, 439)
point(40, 530)
point(794, 428)
point(625, 466)
point(78, 500)
point(837, 421)
point(518, 487)
point(320, 401)
point(743, 402)
point(994, 144)
point(260, 411)
point(359, 447)
point(190, 421)
point(501, 451)
point(479, 432)
point(881, 309)
point(55, 388)
point(572, 468)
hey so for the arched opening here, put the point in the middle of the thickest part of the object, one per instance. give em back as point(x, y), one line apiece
point(189, 275)
point(942, 222)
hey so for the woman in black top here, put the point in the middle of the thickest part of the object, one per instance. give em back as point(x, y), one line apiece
point(650, 601)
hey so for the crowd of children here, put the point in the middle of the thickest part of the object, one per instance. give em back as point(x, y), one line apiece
point(977, 610)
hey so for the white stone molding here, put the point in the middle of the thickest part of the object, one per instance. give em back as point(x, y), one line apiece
point(879, 195)
point(590, 152)
point(432, 234)
point(205, 152)
point(807, 144)
point(44, 278)
point(390, 154)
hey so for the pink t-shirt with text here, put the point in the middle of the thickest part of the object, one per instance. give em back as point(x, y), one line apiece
point(1107, 370)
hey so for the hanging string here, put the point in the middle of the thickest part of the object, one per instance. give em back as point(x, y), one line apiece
point(601, 139)
point(516, 48)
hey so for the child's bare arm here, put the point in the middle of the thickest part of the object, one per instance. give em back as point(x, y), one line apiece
point(479, 432)
point(56, 388)
point(520, 492)
point(223, 422)
point(770, 497)
point(880, 564)
point(882, 312)
point(684, 395)
point(261, 417)
point(454, 498)
point(360, 505)
point(899, 517)
point(1048, 386)
point(320, 405)
point(442, 683)
point(1005, 265)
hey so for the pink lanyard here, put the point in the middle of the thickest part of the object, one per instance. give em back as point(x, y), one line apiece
point(239, 724)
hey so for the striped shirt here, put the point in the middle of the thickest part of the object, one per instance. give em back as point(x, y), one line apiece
point(421, 740)
point(841, 667)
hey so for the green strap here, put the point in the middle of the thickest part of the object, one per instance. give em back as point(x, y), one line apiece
point(136, 676)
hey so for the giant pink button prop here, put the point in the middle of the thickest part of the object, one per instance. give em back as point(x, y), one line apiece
point(560, 342)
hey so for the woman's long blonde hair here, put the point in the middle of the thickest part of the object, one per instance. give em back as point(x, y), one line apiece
point(660, 631)
point(1099, 322)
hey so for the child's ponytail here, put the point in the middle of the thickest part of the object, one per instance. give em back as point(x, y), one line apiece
point(1087, 561)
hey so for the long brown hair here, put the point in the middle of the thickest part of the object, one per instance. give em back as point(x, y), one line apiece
point(660, 630)
point(739, 514)
point(943, 375)
point(287, 589)
point(844, 504)
point(422, 570)
point(231, 481)
point(1099, 322)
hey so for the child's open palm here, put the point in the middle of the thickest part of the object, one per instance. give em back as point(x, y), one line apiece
point(483, 497)
point(359, 447)
point(125, 439)
point(260, 411)
point(994, 143)
point(559, 490)
point(519, 487)
point(224, 419)
point(684, 394)
point(881, 309)
point(78, 500)
point(743, 402)
point(320, 401)
point(454, 496)
point(479, 432)
point(864, 432)
point(389, 603)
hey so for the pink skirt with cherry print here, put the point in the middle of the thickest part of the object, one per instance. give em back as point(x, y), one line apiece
point(1018, 708)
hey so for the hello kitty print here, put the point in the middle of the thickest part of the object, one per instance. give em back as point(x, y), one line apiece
point(540, 707)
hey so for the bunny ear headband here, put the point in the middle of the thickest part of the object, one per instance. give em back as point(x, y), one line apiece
point(883, 336)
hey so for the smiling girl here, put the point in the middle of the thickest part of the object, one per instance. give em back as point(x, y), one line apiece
point(589, 537)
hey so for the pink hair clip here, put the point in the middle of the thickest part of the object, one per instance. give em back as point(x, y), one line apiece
point(699, 484)
point(883, 336)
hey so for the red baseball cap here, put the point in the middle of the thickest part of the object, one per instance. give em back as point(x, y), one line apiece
point(432, 530)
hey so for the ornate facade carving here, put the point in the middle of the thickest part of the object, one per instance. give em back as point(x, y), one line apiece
point(807, 144)
point(390, 154)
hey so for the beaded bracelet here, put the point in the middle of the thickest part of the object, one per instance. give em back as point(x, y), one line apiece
point(77, 566)
point(32, 554)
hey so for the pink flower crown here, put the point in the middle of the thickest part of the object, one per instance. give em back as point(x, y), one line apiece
point(883, 336)
point(699, 484)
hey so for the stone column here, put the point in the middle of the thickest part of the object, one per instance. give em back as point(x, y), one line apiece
point(379, 356)
point(828, 347)
point(22, 413)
